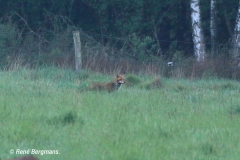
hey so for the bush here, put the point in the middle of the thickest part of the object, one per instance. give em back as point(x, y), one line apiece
point(153, 84)
point(132, 80)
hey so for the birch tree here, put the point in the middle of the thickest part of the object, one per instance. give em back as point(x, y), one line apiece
point(198, 39)
point(213, 26)
point(236, 37)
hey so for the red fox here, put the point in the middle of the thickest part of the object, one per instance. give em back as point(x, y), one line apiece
point(111, 86)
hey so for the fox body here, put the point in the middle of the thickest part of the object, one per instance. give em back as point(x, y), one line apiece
point(111, 86)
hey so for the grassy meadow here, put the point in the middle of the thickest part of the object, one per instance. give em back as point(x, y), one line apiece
point(49, 109)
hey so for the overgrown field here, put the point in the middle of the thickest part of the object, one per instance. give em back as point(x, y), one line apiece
point(49, 109)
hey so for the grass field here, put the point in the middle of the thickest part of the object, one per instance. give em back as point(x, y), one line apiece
point(48, 109)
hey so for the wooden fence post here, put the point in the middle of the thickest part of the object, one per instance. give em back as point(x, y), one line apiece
point(78, 53)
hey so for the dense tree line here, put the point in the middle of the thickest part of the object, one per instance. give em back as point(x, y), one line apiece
point(154, 27)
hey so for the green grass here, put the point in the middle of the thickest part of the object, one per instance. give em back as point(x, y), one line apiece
point(44, 109)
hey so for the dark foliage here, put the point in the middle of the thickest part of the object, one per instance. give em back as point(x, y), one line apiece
point(119, 33)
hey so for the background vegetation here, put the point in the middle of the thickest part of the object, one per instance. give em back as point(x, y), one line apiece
point(141, 31)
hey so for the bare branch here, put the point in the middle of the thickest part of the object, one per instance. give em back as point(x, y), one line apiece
point(30, 27)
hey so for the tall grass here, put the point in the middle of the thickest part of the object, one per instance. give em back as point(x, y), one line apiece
point(46, 109)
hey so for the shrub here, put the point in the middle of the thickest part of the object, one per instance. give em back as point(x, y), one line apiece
point(132, 80)
point(153, 84)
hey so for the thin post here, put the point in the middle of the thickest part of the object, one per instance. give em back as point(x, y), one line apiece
point(78, 53)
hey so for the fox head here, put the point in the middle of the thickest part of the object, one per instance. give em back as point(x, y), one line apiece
point(119, 80)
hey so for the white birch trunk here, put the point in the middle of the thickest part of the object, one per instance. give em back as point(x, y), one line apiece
point(213, 26)
point(236, 37)
point(198, 40)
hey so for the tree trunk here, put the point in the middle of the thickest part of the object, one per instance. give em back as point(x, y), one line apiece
point(198, 40)
point(236, 37)
point(213, 27)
